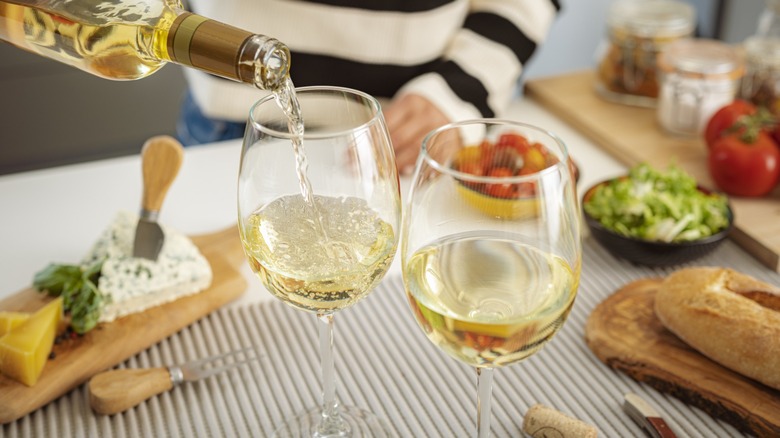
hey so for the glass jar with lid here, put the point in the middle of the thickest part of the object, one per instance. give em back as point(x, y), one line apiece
point(697, 77)
point(761, 83)
point(638, 31)
point(769, 20)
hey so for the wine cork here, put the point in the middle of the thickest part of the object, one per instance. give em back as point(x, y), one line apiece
point(544, 422)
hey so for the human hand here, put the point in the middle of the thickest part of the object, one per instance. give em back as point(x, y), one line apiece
point(409, 119)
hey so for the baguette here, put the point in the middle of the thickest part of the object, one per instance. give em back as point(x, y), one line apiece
point(730, 317)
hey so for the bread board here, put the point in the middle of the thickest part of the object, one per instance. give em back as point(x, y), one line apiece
point(77, 360)
point(624, 333)
point(632, 135)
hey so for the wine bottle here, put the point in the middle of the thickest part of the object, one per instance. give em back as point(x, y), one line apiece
point(131, 39)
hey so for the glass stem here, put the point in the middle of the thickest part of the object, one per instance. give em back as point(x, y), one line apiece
point(332, 425)
point(484, 389)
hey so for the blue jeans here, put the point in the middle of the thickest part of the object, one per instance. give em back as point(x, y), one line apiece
point(195, 128)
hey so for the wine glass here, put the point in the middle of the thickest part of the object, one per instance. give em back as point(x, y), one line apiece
point(319, 212)
point(491, 249)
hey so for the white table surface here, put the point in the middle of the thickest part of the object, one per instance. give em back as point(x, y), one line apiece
point(54, 215)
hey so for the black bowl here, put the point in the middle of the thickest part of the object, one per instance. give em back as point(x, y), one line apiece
point(653, 253)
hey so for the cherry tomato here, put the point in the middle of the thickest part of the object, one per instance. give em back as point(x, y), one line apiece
point(505, 157)
point(511, 154)
point(724, 118)
point(500, 172)
point(514, 141)
point(474, 168)
point(61, 19)
point(535, 160)
point(481, 342)
point(500, 190)
point(469, 154)
point(526, 189)
point(469, 160)
point(743, 168)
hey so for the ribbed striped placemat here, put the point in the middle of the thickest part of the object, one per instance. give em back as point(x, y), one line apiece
point(384, 364)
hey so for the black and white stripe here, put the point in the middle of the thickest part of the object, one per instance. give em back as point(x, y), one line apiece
point(464, 55)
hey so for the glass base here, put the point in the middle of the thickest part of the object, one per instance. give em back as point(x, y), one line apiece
point(355, 422)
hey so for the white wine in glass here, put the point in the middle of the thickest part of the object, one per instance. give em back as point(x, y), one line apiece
point(319, 216)
point(491, 250)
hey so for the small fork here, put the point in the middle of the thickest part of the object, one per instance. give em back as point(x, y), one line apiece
point(117, 390)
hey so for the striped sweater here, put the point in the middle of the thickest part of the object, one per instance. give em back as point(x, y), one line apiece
point(465, 56)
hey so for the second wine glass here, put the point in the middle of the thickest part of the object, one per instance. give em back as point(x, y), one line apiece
point(491, 250)
point(319, 213)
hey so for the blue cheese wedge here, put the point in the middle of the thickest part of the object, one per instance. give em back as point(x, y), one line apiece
point(131, 284)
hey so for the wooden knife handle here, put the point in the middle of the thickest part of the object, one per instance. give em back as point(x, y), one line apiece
point(161, 158)
point(117, 390)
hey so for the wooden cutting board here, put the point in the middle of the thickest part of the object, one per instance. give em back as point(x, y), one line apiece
point(625, 334)
point(77, 360)
point(632, 135)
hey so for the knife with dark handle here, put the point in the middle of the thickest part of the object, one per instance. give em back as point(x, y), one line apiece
point(647, 417)
point(161, 158)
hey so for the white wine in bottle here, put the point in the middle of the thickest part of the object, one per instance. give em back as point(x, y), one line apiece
point(131, 39)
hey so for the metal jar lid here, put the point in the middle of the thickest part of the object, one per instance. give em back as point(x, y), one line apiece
point(652, 18)
point(701, 58)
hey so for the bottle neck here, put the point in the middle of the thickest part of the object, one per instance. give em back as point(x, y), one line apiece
point(226, 51)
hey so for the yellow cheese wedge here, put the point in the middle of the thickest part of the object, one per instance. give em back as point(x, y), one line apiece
point(25, 349)
point(9, 320)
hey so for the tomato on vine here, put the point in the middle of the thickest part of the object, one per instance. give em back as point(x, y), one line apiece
point(744, 156)
point(744, 165)
point(724, 119)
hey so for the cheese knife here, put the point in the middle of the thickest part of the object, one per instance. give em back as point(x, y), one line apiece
point(161, 158)
point(646, 417)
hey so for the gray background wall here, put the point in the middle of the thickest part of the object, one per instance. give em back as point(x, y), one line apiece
point(52, 114)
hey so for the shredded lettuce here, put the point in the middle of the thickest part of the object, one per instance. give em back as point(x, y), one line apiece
point(657, 205)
